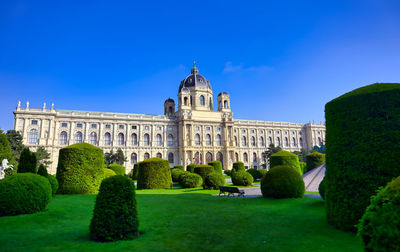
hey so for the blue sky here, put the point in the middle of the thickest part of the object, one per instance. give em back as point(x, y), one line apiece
point(279, 60)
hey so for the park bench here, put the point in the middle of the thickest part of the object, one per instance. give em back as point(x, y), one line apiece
point(230, 191)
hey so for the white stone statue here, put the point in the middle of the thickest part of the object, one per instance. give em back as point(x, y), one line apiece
point(4, 165)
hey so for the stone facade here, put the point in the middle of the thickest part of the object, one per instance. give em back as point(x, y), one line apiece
point(192, 133)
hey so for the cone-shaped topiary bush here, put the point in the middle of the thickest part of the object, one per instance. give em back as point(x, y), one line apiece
point(238, 166)
point(217, 165)
point(379, 226)
point(115, 213)
point(24, 193)
point(109, 173)
point(314, 159)
point(54, 184)
point(242, 178)
point(117, 168)
point(282, 182)
point(286, 158)
point(27, 162)
point(362, 150)
point(190, 180)
point(203, 170)
point(190, 168)
point(214, 180)
point(42, 171)
point(80, 169)
point(154, 173)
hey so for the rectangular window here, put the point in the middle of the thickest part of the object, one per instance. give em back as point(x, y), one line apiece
point(79, 125)
point(64, 125)
point(252, 131)
point(108, 126)
point(146, 127)
point(34, 122)
point(159, 128)
point(261, 131)
point(134, 127)
point(94, 126)
point(208, 128)
point(121, 126)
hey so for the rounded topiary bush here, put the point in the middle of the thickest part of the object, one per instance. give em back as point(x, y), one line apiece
point(228, 172)
point(27, 162)
point(117, 168)
point(80, 169)
point(115, 212)
point(362, 150)
point(238, 166)
point(214, 180)
point(217, 165)
point(190, 180)
point(190, 168)
point(54, 184)
point(175, 173)
point(257, 174)
point(285, 158)
point(109, 173)
point(203, 170)
point(154, 173)
point(282, 182)
point(242, 178)
point(315, 159)
point(181, 167)
point(321, 188)
point(24, 193)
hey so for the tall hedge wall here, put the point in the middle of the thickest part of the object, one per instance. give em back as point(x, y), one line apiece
point(285, 158)
point(362, 150)
point(217, 165)
point(154, 173)
point(80, 169)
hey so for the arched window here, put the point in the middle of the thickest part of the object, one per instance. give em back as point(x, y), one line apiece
point(202, 102)
point(107, 139)
point(269, 141)
point(171, 157)
point(319, 141)
point(159, 155)
point(191, 100)
point(236, 157)
point(33, 136)
point(294, 142)
point(197, 158)
point(253, 141)
point(121, 139)
point(208, 157)
point(263, 156)
point(219, 140)
point(301, 142)
point(134, 139)
point(185, 101)
point(146, 139)
point(170, 140)
point(208, 139)
point(133, 158)
point(158, 140)
point(197, 139)
point(286, 142)
point(225, 104)
point(93, 138)
point(244, 142)
point(63, 138)
point(211, 107)
point(278, 141)
point(220, 158)
point(235, 140)
point(78, 137)
point(146, 156)
point(245, 158)
point(171, 110)
point(262, 144)
point(254, 157)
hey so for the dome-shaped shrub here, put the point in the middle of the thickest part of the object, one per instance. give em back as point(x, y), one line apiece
point(257, 174)
point(238, 166)
point(175, 174)
point(115, 213)
point(154, 173)
point(203, 170)
point(190, 180)
point(314, 159)
point(214, 180)
point(117, 168)
point(109, 173)
point(190, 168)
point(379, 226)
point(321, 188)
point(217, 165)
point(242, 178)
point(285, 158)
point(282, 182)
point(54, 183)
point(24, 193)
point(228, 172)
point(181, 167)
point(80, 169)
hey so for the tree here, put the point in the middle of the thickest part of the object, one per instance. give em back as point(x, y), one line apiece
point(27, 162)
point(43, 156)
point(118, 157)
point(272, 150)
point(302, 154)
point(5, 150)
point(320, 149)
point(15, 139)
point(109, 158)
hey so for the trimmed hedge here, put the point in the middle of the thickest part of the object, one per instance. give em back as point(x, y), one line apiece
point(238, 166)
point(314, 159)
point(154, 173)
point(135, 171)
point(214, 180)
point(54, 184)
point(257, 174)
point(203, 170)
point(285, 158)
point(118, 169)
point(228, 172)
point(175, 173)
point(282, 181)
point(190, 168)
point(379, 226)
point(24, 193)
point(190, 180)
point(80, 169)
point(109, 173)
point(217, 165)
point(115, 213)
point(303, 167)
point(362, 150)
point(242, 178)
point(27, 162)
point(42, 171)
point(181, 167)
point(321, 188)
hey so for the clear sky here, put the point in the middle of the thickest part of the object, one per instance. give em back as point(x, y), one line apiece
point(279, 60)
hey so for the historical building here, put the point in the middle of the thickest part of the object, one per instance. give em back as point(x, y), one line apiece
point(192, 133)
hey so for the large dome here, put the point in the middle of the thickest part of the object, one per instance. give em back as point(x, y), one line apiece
point(194, 80)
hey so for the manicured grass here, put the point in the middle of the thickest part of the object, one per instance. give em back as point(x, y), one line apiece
point(183, 220)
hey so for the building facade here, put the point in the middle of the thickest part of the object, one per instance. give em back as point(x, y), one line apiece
point(192, 133)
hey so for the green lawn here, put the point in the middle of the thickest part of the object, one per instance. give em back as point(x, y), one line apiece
point(183, 220)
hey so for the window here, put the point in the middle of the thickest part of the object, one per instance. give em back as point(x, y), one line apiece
point(78, 137)
point(170, 140)
point(262, 144)
point(197, 158)
point(185, 101)
point(278, 141)
point(134, 139)
point(134, 127)
point(108, 126)
point(286, 142)
point(146, 156)
point(244, 142)
point(220, 157)
point(146, 140)
point(253, 141)
point(261, 131)
point(254, 157)
point(294, 142)
point(159, 155)
point(197, 139)
point(158, 140)
point(245, 158)
point(236, 157)
point(107, 139)
point(218, 128)
point(79, 125)
point(208, 157)
point(286, 132)
point(202, 103)
point(208, 128)
point(93, 138)
point(197, 128)
point(319, 141)
point(252, 131)
point(225, 104)
point(34, 122)
point(159, 128)
point(133, 158)
point(301, 142)
point(269, 141)
point(243, 131)
point(33, 136)
point(269, 132)
point(208, 139)
point(94, 126)
point(64, 125)
point(235, 141)
point(219, 140)
point(120, 126)
point(171, 157)
point(146, 127)
point(121, 139)
point(63, 138)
